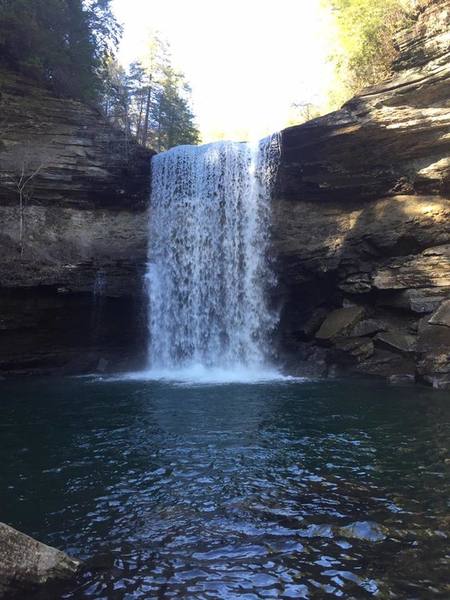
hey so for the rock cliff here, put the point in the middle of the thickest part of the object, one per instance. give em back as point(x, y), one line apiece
point(361, 224)
point(361, 228)
point(73, 200)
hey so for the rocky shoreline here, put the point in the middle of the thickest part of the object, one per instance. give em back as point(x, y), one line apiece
point(27, 565)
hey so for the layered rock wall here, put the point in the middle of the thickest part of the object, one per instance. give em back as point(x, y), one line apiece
point(361, 228)
point(361, 221)
point(73, 243)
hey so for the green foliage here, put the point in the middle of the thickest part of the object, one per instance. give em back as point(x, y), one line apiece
point(61, 43)
point(69, 46)
point(152, 101)
point(175, 120)
point(366, 46)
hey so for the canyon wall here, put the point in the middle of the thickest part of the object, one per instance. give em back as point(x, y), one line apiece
point(362, 229)
point(73, 240)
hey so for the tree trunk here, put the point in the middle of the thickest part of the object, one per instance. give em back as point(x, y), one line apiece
point(21, 221)
point(139, 122)
point(147, 113)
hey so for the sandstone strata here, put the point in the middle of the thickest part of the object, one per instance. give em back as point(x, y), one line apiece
point(71, 273)
point(362, 220)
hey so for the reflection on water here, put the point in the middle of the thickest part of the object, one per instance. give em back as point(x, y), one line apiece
point(280, 490)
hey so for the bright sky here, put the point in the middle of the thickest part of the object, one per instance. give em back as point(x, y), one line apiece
point(247, 60)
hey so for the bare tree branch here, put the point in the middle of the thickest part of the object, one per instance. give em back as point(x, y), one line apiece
point(21, 164)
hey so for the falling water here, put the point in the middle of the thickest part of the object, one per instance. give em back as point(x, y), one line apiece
point(98, 300)
point(208, 272)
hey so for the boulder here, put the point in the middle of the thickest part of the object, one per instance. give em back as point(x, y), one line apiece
point(26, 564)
point(434, 368)
point(420, 300)
point(384, 363)
point(313, 323)
point(361, 348)
point(433, 344)
point(338, 321)
point(363, 530)
point(433, 338)
point(401, 379)
point(397, 341)
point(367, 327)
point(442, 315)
point(429, 268)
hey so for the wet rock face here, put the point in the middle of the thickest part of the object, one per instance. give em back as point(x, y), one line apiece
point(361, 220)
point(26, 564)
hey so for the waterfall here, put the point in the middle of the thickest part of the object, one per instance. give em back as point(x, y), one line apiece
point(208, 270)
point(98, 300)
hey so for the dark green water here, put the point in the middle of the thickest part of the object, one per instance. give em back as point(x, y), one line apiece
point(283, 490)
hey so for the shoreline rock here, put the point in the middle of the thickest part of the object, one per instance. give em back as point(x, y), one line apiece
point(27, 565)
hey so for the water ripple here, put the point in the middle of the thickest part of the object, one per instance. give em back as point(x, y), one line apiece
point(266, 491)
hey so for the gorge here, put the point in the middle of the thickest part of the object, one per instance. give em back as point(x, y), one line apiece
point(224, 368)
point(360, 230)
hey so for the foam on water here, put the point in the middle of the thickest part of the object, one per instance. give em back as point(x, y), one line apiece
point(198, 374)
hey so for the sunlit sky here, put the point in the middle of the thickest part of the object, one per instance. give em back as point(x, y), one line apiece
point(247, 60)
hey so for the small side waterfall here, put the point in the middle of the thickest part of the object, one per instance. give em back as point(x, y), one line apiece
point(208, 271)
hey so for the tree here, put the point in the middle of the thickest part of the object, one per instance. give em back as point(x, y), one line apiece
point(365, 44)
point(175, 120)
point(20, 167)
point(159, 99)
point(136, 80)
point(116, 95)
point(155, 61)
point(301, 112)
point(64, 44)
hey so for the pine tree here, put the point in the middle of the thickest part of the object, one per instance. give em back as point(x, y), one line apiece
point(64, 44)
point(159, 100)
point(175, 118)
